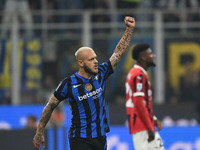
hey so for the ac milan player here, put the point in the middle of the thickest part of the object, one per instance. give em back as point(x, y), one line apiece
point(142, 122)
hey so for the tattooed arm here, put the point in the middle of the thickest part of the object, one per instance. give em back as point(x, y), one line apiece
point(123, 44)
point(45, 116)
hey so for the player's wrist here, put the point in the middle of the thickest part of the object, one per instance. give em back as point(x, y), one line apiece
point(39, 133)
point(130, 28)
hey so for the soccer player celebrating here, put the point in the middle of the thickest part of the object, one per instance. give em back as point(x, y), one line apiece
point(139, 102)
point(85, 91)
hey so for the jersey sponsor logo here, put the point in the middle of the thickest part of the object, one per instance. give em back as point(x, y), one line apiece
point(139, 87)
point(75, 86)
point(94, 94)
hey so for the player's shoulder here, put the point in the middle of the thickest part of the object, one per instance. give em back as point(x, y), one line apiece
point(104, 67)
point(136, 71)
point(65, 81)
point(104, 64)
point(70, 79)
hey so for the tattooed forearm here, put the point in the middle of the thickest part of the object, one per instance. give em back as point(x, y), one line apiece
point(114, 59)
point(121, 47)
point(46, 114)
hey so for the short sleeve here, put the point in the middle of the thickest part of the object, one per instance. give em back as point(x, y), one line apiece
point(62, 91)
point(105, 69)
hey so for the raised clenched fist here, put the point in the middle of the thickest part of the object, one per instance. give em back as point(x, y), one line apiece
point(129, 21)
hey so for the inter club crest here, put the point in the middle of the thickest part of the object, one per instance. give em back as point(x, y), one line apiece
point(88, 86)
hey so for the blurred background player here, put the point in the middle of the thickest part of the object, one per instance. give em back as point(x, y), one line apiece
point(139, 101)
point(31, 122)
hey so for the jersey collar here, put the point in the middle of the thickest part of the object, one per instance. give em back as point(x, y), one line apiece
point(137, 66)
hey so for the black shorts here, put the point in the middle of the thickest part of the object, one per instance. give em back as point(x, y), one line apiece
point(98, 143)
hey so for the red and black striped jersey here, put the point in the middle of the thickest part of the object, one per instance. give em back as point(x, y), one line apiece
point(139, 100)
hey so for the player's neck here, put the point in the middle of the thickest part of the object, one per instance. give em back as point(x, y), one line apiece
point(84, 74)
point(143, 65)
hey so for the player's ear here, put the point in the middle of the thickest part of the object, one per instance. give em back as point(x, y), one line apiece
point(143, 57)
point(80, 63)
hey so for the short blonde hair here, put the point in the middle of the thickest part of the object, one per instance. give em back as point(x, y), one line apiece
point(80, 50)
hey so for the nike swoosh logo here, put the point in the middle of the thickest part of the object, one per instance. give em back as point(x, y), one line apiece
point(75, 86)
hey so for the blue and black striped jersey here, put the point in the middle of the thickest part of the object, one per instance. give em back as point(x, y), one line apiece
point(86, 98)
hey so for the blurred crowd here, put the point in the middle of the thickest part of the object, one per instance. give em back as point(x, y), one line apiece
point(29, 16)
point(29, 12)
point(190, 83)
